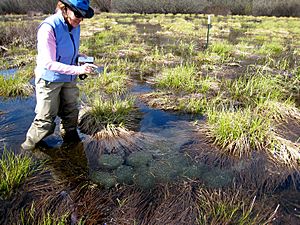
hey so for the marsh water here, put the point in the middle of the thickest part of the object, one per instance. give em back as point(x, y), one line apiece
point(161, 137)
point(158, 152)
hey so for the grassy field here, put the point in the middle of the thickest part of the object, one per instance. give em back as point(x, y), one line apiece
point(244, 83)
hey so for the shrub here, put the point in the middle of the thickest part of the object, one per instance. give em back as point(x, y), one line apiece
point(18, 34)
point(25, 6)
point(102, 5)
point(276, 8)
point(156, 6)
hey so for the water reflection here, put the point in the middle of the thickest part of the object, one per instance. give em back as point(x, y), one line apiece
point(15, 118)
point(8, 73)
point(66, 163)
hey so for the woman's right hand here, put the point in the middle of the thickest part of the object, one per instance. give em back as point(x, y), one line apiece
point(87, 68)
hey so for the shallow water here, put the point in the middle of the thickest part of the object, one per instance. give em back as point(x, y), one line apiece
point(15, 119)
point(162, 135)
point(8, 73)
point(154, 154)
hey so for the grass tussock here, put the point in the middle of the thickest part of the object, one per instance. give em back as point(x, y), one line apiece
point(114, 140)
point(113, 83)
point(184, 78)
point(286, 152)
point(271, 49)
point(14, 169)
point(237, 133)
point(15, 86)
point(106, 115)
point(47, 218)
point(224, 50)
point(255, 89)
point(278, 111)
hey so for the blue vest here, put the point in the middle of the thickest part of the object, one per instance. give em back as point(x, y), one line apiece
point(67, 46)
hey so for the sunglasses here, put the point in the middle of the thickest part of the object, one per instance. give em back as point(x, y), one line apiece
point(76, 13)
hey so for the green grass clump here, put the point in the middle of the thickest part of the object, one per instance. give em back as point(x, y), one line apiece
point(181, 78)
point(26, 72)
point(193, 105)
point(271, 48)
point(15, 86)
point(13, 171)
point(223, 49)
point(278, 111)
point(251, 90)
point(180, 26)
point(184, 78)
point(31, 216)
point(111, 110)
point(111, 40)
point(110, 83)
point(105, 112)
point(184, 49)
point(237, 133)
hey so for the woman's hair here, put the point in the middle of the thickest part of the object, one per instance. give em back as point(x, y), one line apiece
point(61, 7)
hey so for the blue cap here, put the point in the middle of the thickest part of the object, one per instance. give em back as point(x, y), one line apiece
point(80, 6)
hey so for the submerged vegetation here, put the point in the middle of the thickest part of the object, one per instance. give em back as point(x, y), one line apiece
point(242, 98)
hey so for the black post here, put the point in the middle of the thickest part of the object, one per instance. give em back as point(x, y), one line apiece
point(208, 28)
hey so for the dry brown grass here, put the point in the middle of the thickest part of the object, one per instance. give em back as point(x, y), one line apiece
point(119, 140)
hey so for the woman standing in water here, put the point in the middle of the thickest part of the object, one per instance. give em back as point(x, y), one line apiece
point(56, 72)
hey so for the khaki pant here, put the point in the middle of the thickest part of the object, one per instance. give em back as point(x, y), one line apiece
point(54, 99)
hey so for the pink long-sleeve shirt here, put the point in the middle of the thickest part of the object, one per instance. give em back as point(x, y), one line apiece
point(46, 57)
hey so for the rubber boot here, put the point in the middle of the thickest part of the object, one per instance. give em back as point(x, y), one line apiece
point(70, 136)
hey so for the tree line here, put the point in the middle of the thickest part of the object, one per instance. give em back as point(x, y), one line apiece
point(219, 7)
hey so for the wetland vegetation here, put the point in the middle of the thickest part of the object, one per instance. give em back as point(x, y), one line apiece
point(229, 154)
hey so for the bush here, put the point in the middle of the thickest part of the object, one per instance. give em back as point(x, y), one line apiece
point(238, 7)
point(157, 6)
point(26, 6)
point(276, 8)
point(102, 5)
point(21, 34)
